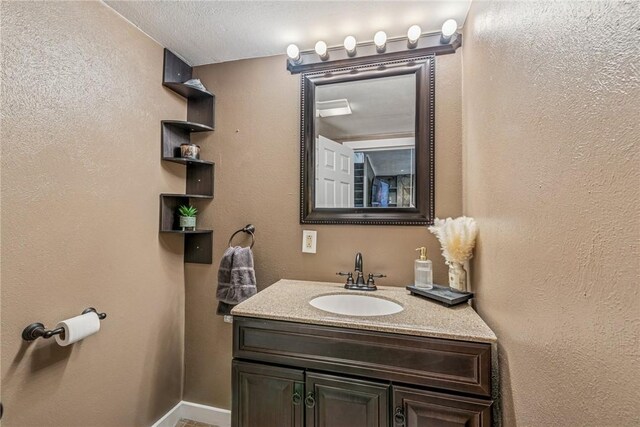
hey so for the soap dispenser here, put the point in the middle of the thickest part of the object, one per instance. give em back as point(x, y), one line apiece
point(423, 270)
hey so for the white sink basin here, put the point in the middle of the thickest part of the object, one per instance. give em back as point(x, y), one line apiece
point(356, 305)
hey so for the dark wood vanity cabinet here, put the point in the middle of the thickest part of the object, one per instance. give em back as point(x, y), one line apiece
point(270, 396)
point(291, 374)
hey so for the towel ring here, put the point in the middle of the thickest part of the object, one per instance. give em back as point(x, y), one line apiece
point(249, 229)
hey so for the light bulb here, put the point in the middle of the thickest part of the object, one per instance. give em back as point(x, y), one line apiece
point(449, 28)
point(321, 49)
point(414, 32)
point(350, 45)
point(293, 52)
point(380, 39)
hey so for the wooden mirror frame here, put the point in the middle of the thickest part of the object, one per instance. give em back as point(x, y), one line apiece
point(423, 213)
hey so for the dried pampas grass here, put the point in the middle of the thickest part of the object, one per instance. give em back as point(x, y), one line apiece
point(457, 237)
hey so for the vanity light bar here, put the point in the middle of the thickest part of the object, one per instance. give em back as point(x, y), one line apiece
point(417, 44)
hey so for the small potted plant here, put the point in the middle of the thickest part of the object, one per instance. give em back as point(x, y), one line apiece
point(187, 217)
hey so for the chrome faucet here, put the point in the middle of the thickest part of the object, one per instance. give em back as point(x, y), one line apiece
point(359, 284)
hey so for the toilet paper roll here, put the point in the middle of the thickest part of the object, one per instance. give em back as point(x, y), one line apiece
point(78, 328)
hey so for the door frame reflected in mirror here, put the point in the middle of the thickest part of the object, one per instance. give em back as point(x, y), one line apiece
point(423, 213)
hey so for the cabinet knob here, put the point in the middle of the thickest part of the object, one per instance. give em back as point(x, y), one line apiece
point(398, 417)
point(310, 401)
point(297, 398)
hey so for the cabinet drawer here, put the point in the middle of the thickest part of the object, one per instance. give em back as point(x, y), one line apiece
point(445, 364)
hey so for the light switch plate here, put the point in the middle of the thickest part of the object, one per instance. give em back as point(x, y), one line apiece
point(309, 238)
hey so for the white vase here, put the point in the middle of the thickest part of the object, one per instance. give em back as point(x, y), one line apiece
point(457, 277)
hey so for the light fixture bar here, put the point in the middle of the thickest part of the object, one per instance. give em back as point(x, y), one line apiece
point(367, 52)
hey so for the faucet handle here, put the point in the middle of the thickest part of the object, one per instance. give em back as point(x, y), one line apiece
point(349, 276)
point(371, 283)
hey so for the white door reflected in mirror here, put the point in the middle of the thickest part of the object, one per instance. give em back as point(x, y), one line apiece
point(334, 174)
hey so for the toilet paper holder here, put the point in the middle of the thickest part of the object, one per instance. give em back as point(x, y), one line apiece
point(37, 330)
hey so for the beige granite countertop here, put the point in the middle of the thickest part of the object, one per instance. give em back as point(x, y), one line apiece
point(289, 300)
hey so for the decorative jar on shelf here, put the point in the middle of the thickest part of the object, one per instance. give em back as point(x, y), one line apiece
point(190, 151)
point(457, 276)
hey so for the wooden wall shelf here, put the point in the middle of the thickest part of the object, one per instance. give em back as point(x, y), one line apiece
point(169, 204)
point(187, 231)
point(188, 91)
point(174, 134)
point(187, 196)
point(188, 126)
point(200, 103)
point(184, 161)
point(200, 173)
point(198, 244)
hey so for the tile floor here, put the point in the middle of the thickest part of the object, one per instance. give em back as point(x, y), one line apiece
point(184, 422)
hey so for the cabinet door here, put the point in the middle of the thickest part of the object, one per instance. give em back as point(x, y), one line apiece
point(266, 396)
point(418, 408)
point(343, 402)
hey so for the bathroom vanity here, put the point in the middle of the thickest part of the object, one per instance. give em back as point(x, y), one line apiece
point(297, 365)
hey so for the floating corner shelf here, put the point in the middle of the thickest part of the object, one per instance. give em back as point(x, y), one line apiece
point(198, 244)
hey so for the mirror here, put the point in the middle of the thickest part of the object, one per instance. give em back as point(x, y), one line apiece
point(367, 144)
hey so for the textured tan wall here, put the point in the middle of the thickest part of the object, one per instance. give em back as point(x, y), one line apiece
point(256, 150)
point(551, 101)
point(81, 107)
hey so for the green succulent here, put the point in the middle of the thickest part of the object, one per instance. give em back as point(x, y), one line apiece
point(186, 210)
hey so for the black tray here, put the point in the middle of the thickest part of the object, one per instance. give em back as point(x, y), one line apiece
point(443, 294)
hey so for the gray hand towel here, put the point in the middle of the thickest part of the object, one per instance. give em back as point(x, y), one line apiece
point(236, 278)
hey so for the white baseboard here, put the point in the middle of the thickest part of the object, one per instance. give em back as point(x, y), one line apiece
point(170, 418)
point(195, 412)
